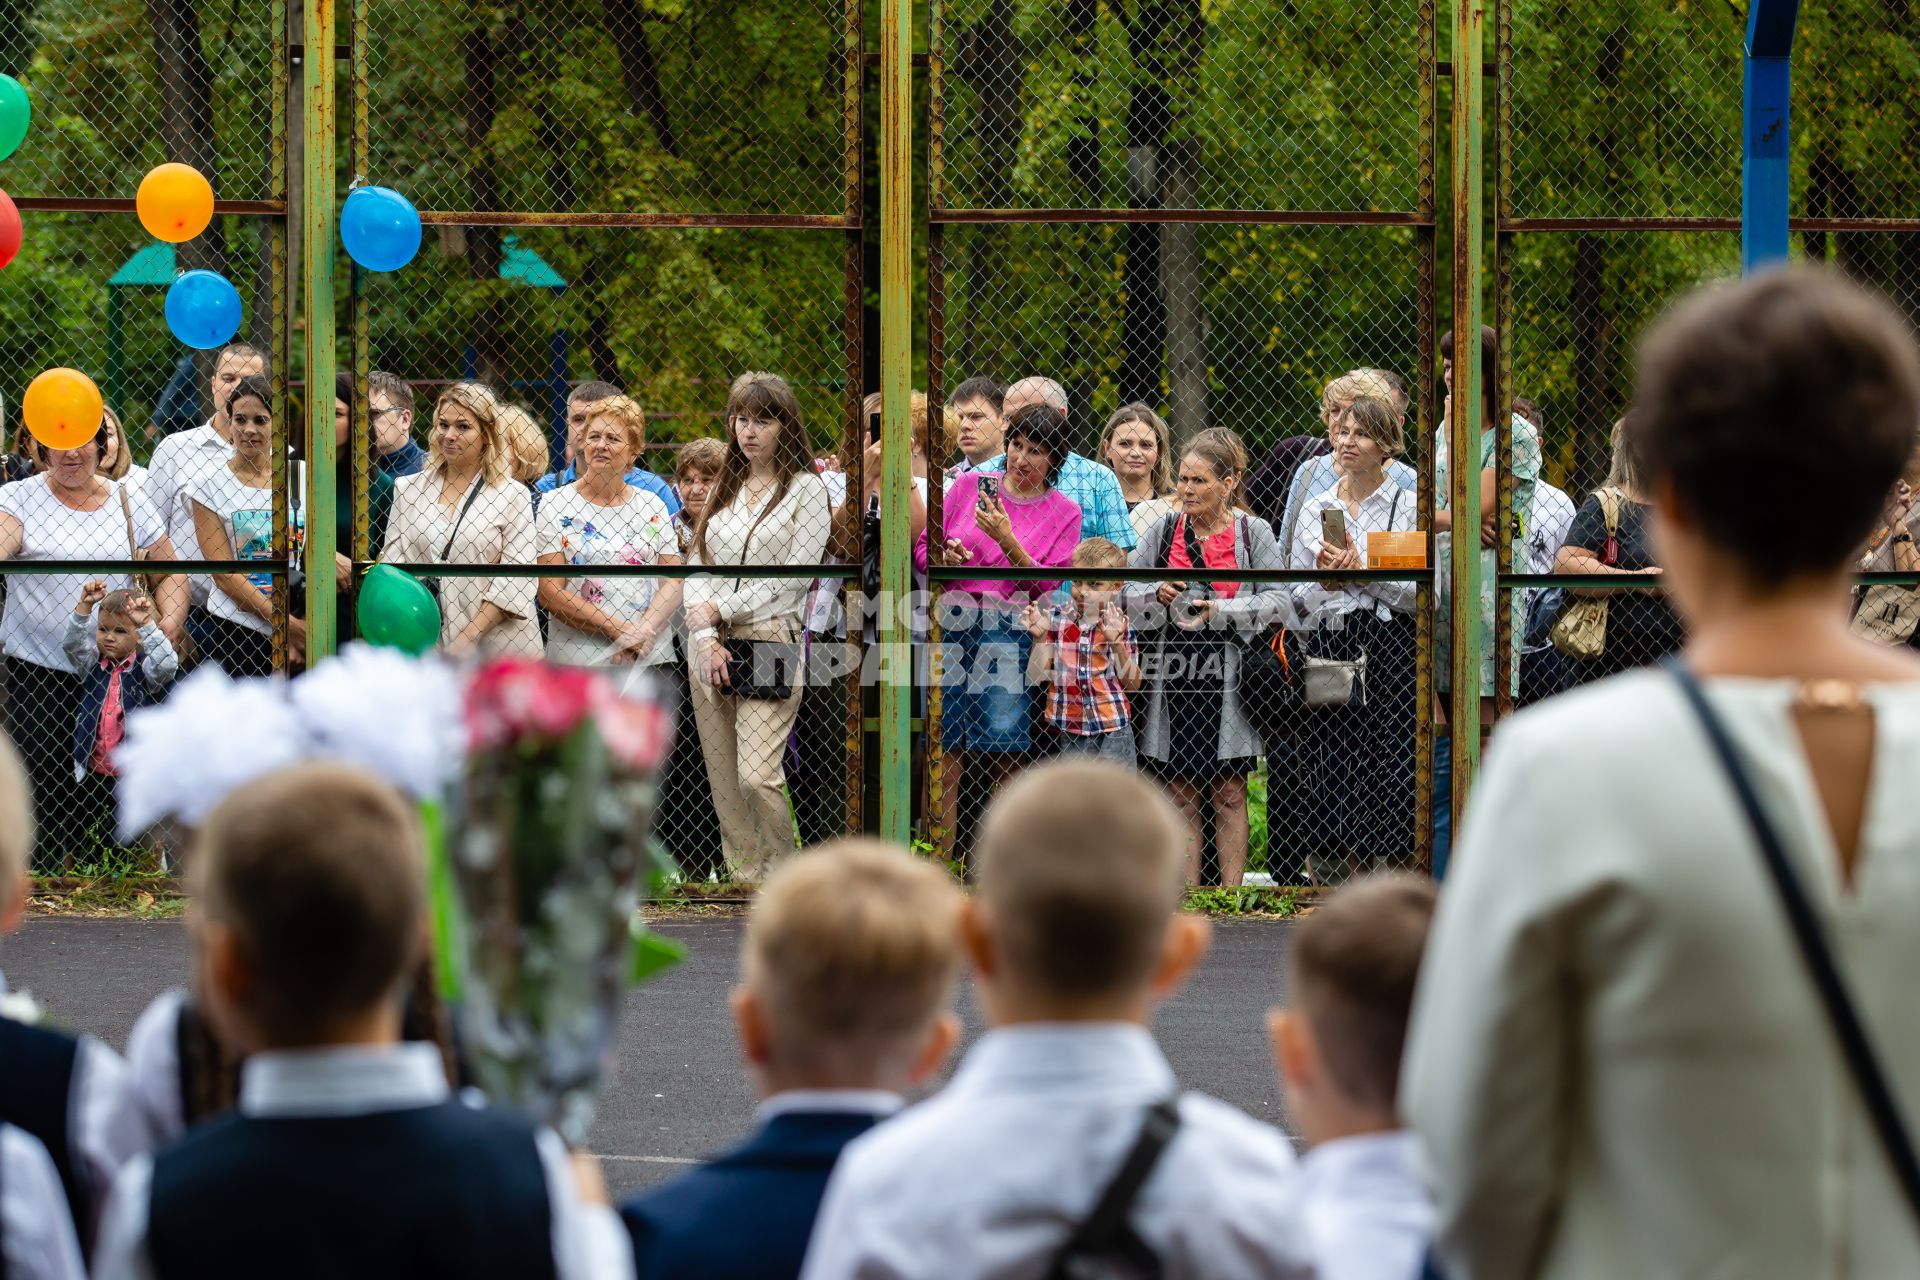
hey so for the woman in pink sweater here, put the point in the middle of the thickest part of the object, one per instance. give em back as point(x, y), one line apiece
point(1019, 520)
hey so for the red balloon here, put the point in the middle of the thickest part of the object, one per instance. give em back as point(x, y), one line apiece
point(10, 231)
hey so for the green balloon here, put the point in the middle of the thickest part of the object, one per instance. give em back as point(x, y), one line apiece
point(16, 112)
point(397, 610)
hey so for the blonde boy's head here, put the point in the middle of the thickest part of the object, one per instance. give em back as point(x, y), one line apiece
point(1081, 869)
point(16, 834)
point(1352, 969)
point(310, 896)
point(849, 961)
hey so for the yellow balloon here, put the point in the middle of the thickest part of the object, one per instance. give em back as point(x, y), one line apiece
point(62, 408)
point(175, 202)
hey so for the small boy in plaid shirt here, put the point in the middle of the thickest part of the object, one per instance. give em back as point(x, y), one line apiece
point(1091, 659)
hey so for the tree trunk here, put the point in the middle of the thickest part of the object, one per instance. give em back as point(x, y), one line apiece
point(186, 126)
point(1176, 64)
point(1143, 321)
point(640, 70)
point(1182, 279)
point(1593, 395)
point(483, 243)
point(987, 59)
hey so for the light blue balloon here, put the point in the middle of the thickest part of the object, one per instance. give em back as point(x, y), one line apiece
point(203, 309)
point(380, 228)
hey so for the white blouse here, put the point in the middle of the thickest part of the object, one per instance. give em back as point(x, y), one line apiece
point(1618, 1065)
point(1388, 509)
point(794, 531)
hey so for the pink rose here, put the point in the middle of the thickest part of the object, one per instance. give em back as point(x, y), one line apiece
point(637, 733)
point(515, 698)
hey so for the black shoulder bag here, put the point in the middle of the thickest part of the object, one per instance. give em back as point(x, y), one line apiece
point(473, 491)
point(1883, 1110)
point(1105, 1245)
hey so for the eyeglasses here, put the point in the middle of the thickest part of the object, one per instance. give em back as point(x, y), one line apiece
point(378, 414)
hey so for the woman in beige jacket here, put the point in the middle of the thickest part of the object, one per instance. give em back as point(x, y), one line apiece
point(465, 508)
point(1619, 1064)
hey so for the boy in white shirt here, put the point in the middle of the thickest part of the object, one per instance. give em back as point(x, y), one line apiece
point(1074, 936)
point(1352, 968)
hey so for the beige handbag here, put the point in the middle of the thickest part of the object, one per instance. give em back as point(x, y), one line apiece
point(1888, 614)
point(1581, 632)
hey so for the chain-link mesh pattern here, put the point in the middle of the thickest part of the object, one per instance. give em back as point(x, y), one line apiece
point(118, 87)
point(1626, 110)
point(610, 106)
point(158, 485)
point(612, 192)
point(1180, 104)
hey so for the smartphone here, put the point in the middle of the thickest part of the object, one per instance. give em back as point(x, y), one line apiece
point(989, 490)
point(1333, 527)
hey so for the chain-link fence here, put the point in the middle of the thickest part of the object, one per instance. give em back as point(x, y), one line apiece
point(626, 208)
point(1189, 220)
point(1618, 186)
point(97, 616)
point(1192, 227)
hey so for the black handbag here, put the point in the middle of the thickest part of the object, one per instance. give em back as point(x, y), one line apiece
point(1843, 1018)
point(764, 670)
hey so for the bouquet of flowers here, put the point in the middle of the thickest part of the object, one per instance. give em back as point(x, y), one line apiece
point(545, 861)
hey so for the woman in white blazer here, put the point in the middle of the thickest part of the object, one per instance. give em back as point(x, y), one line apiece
point(465, 508)
point(1619, 1064)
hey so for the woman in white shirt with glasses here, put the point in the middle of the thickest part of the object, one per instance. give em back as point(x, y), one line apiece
point(1361, 755)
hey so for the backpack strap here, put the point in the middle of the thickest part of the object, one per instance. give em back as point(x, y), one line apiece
point(1106, 1235)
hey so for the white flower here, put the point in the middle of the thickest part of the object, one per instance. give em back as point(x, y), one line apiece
point(182, 757)
point(395, 716)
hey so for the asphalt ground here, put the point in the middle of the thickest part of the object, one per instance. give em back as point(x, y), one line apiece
point(676, 1093)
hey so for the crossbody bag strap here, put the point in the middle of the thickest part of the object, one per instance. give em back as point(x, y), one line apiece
point(126, 512)
point(1167, 526)
point(1883, 1110)
point(473, 491)
point(1105, 1233)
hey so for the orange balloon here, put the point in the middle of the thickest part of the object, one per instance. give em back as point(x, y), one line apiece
point(62, 408)
point(175, 202)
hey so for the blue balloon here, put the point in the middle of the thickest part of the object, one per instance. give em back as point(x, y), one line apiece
point(380, 228)
point(203, 309)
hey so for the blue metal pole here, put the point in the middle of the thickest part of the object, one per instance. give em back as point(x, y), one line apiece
point(1767, 104)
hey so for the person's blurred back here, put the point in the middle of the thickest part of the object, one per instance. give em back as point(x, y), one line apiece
point(1619, 1063)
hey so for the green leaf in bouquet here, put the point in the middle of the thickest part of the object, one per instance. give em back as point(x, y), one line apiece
point(442, 906)
point(652, 954)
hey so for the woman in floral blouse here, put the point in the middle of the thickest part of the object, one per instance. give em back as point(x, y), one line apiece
point(600, 519)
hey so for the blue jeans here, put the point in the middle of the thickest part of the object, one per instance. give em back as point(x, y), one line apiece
point(1442, 804)
point(1117, 746)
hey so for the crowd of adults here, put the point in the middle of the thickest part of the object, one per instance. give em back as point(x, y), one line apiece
point(1165, 675)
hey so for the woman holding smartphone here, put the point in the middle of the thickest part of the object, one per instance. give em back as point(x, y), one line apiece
point(1016, 520)
point(1362, 752)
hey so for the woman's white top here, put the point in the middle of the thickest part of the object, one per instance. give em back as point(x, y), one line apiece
point(793, 531)
point(1150, 514)
point(1388, 509)
point(39, 604)
point(246, 513)
point(638, 531)
point(497, 529)
point(1618, 1065)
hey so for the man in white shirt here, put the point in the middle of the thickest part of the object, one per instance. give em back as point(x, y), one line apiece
point(1351, 972)
point(1074, 936)
point(185, 456)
